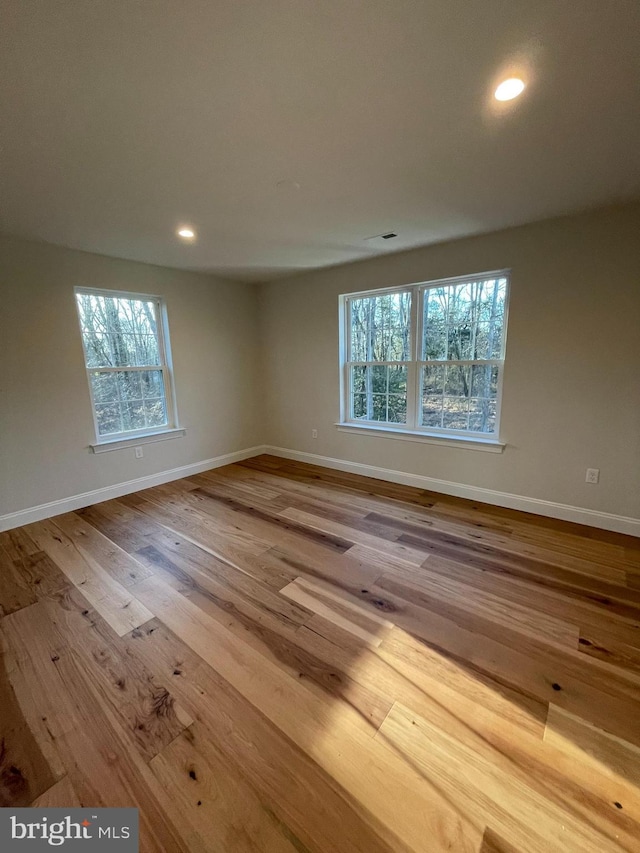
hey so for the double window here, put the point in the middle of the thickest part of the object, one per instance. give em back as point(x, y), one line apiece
point(426, 358)
point(126, 356)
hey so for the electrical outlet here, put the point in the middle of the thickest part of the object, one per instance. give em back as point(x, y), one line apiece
point(139, 452)
point(593, 475)
point(314, 433)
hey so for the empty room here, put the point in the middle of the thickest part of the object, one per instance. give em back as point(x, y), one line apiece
point(320, 426)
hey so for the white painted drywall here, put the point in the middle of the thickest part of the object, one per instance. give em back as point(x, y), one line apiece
point(572, 376)
point(260, 366)
point(45, 411)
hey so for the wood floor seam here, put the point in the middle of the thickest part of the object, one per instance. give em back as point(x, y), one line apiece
point(273, 656)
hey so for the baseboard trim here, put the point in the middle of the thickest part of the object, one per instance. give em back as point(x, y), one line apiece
point(47, 510)
point(565, 512)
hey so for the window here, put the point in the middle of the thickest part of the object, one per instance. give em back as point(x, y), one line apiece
point(125, 345)
point(426, 358)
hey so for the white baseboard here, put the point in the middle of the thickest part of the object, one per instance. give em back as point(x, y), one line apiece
point(580, 515)
point(47, 510)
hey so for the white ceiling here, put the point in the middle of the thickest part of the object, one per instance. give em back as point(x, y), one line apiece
point(122, 119)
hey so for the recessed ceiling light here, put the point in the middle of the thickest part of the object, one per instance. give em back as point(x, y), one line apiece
point(509, 89)
point(187, 233)
point(287, 185)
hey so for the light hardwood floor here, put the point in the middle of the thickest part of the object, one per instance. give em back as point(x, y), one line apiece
point(273, 656)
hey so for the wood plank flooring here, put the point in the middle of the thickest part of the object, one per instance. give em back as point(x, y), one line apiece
point(274, 656)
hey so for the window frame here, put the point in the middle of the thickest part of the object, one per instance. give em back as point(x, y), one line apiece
point(413, 429)
point(127, 437)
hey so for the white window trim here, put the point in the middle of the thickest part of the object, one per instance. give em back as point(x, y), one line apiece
point(138, 439)
point(462, 442)
point(121, 440)
point(431, 435)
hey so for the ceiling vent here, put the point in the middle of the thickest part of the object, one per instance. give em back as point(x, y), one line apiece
point(378, 238)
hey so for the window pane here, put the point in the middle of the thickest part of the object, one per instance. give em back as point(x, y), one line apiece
point(379, 379)
point(358, 379)
point(129, 385)
point(359, 406)
point(460, 322)
point(104, 387)
point(464, 322)
point(118, 332)
point(136, 350)
point(457, 380)
point(432, 408)
point(398, 380)
point(484, 380)
point(436, 300)
point(379, 393)
point(137, 397)
point(152, 382)
point(133, 415)
point(482, 414)
point(455, 412)
point(155, 413)
point(380, 327)
point(397, 409)
point(433, 379)
point(108, 418)
point(379, 409)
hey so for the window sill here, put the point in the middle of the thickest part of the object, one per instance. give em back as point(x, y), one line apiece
point(134, 441)
point(462, 442)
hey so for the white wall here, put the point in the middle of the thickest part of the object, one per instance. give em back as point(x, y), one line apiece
point(46, 424)
point(260, 365)
point(571, 395)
